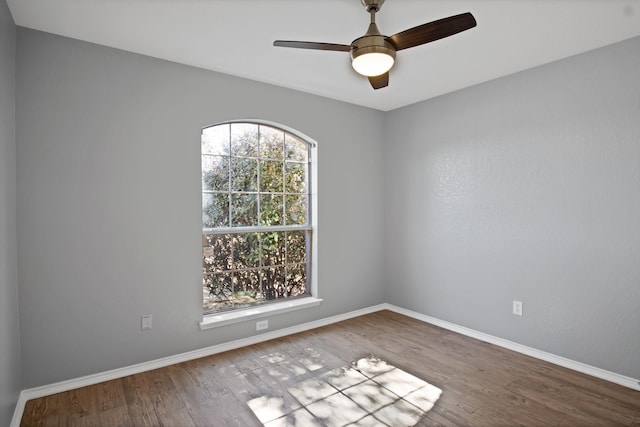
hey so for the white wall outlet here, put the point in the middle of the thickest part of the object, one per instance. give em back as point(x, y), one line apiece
point(261, 325)
point(146, 322)
point(517, 308)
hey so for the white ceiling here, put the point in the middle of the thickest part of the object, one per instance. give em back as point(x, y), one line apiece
point(236, 36)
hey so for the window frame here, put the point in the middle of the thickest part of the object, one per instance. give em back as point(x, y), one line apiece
point(215, 319)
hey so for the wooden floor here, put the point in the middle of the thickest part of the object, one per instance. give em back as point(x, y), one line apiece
point(379, 369)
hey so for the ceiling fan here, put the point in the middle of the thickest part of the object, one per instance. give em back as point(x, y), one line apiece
point(373, 54)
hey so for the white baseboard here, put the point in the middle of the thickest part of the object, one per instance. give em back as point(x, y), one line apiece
point(34, 393)
point(629, 382)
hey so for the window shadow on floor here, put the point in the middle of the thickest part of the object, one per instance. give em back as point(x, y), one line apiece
point(370, 392)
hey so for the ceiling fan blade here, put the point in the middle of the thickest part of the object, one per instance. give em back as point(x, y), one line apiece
point(432, 31)
point(312, 45)
point(378, 82)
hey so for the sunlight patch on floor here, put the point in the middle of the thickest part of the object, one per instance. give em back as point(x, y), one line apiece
point(371, 392)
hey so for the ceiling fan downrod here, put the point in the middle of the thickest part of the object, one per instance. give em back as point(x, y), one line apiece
point(373, 28)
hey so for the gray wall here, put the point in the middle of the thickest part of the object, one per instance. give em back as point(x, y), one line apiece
point(10, 383)
point(108, 147)
point(527, 188)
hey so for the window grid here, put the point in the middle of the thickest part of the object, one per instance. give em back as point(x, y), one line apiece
point(288, 267)
point(258, 192)
point(234, 226)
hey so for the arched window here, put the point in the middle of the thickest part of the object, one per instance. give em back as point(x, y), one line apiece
point(256, 216)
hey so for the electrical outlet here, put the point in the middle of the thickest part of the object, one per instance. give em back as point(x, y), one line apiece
point(146, 322)
point(517, 308)
point(261, 325)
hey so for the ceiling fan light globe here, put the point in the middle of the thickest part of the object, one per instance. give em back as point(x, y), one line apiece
point(372, 64)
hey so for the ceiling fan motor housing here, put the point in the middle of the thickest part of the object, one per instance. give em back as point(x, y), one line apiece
point(372, 44)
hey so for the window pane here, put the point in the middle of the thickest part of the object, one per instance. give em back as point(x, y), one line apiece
point(271, 176)
point(215, 210)
point(244, 174)
point(295, 177)
point(273, 283)
point(244, 210)
point(271, 143)
point(218, 291)
point(247, 287)
point(216, 252)
point(297, 280)
point(273, 248)
point(215, 140)
point(215, 173)
point(246, 251)
point(271, 210)
point(295, 209)
point(296, 246)
point(295, 149)
point(244, 139)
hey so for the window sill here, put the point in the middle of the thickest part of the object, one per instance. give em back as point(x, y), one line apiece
point(216, 320)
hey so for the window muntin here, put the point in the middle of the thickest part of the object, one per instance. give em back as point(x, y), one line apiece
point(256, 236)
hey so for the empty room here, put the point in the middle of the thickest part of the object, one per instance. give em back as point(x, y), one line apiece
point(336, 213)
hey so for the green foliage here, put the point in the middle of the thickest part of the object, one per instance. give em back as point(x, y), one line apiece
point(245, 189)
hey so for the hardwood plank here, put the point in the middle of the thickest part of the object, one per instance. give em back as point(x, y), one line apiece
point(139, 403)
point(583, 403)
point(112, 405)
point(206, 402)
point(481, 384)
point(167, 404)
point(81, 407)
point(438, 417)
point(43, 412)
